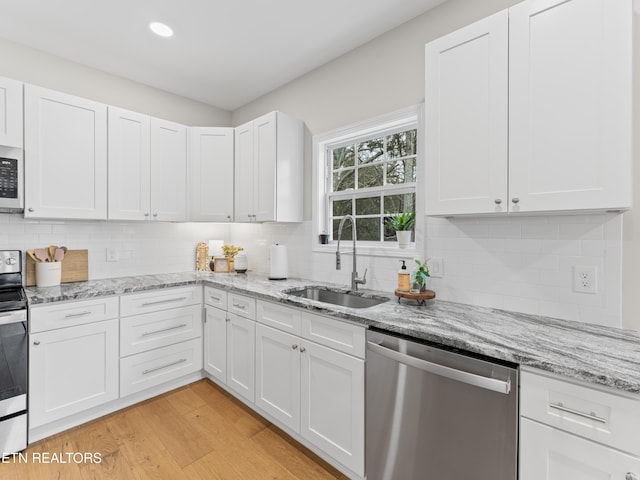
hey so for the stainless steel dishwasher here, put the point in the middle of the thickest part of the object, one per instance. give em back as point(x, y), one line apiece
point(434, 414)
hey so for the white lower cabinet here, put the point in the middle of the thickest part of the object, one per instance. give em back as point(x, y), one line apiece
point(229, 341)
point(71, 370)
point(162, 342)
point(571, 431)
point(241, 340)
point(548, 453)
point(312, 389)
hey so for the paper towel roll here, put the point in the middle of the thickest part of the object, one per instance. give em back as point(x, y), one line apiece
point(279, 264)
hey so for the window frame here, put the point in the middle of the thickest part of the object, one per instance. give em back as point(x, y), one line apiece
point(404, 119)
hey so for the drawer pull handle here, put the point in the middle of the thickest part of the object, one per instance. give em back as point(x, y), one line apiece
point(216, 299)
point(160, 302)
point(590, 416)
point(146, 334)
point(150, 370)
point(74, 315)
point(241, 307)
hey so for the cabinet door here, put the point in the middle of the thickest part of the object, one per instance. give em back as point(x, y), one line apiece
point(59, 384)
point(466, 119)
point(332, 401)
point(215, 343)
point(129, 165)
point(168, 170)
point(278, 375)
point(570, 105)
point(241, 341)
point(264, 167)
point(65, 156)
point(244, 173)
point(550, 454)
point(210, 174)
point(10, 113)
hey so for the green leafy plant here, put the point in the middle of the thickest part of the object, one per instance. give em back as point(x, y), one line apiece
point(421, 273)
point(402, 221)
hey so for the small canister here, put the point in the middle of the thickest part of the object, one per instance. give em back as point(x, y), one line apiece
point(241, 265)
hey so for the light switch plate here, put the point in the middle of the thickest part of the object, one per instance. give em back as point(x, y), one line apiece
point(436, 267)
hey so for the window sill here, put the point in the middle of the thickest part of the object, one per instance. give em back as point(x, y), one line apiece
point(371, 251)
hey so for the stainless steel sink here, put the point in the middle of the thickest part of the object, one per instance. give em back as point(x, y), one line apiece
point(334, 297)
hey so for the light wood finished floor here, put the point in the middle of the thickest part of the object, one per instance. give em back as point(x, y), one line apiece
point(198, 432)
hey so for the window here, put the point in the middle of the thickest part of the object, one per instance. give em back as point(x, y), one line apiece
point(369, 170)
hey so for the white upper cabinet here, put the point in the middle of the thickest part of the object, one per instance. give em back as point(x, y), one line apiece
point(147, 167)
point(210, 174)
point(168, 170)
point(570, 137)
point(269, 169)
point(466, 118)
point(540, 93)
point(65, 155)
point(10, 113)
point(129, 165)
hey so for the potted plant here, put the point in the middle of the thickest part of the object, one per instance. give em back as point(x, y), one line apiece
point(420, 276)
point(402, 224)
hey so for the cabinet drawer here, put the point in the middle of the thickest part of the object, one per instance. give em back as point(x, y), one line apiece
point(148, 369)
point(215, 297)
point(333, 333)
point(242, 305)
point(69, 314)
point(598, 415)
point(277, 316)
point(159, 329)
point(156, 300)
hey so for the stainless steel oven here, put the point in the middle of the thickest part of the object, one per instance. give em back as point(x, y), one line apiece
point(13, 354)
point(11, 185)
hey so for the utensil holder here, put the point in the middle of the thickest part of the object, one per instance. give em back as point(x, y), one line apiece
point(48, 274)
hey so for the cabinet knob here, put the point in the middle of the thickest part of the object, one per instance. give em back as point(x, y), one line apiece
point(155, 214)
point(228, 319)
point(302, 349)
point(630, 476)
point(294, 347)
point(497, 201)
point(31, 210)
point(515, 200)
point(229, 217)
point(37, 342)
point(146, 214)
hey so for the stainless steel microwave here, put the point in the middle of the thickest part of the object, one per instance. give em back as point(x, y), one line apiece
point(11, 185)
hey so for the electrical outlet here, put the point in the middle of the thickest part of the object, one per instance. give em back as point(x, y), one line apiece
point(435, 267)
point(585, 279)
point(112, 254)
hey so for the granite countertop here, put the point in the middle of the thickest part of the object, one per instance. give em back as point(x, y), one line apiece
point(600, 355)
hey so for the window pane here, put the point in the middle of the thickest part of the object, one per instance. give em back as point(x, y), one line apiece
point(401, 171)
point(343, 180)
point(405, 202)
point(402, 144)
point(370, 151)
point(368, 206)
point(342, 207)
point(368, 229)
point(343, 157)
point(370, 176)
point(346, 229)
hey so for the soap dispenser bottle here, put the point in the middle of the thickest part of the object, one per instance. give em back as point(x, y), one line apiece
point(404, 278)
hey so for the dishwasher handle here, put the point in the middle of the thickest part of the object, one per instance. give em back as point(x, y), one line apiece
point(494, 384)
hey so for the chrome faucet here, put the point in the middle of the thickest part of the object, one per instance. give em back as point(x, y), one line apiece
point(355, 281)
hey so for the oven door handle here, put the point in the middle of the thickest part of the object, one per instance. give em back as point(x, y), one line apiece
point(494, 384)
point(15, 316)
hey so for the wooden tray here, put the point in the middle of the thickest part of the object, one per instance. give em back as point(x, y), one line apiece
point(75, 268)
point(421, 297)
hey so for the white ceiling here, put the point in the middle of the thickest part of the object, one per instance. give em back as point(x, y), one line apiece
point(224, 52)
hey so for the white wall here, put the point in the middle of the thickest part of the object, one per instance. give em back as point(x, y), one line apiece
point(143, 247)
point(39, 68)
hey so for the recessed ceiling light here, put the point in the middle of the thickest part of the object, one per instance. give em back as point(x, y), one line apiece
point(161, 29)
